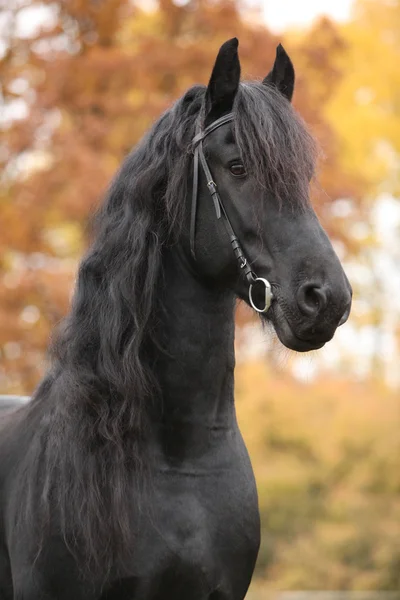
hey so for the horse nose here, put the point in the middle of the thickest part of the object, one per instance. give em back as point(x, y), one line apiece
point(312, 299)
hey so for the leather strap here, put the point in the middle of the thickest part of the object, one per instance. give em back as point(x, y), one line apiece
point(220, 210)
point(197, 144)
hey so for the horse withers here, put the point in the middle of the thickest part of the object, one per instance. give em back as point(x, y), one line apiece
point(126, 476)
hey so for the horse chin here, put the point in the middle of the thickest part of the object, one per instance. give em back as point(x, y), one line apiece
point(287, 335)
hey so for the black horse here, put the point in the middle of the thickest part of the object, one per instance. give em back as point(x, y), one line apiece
point(126, 476)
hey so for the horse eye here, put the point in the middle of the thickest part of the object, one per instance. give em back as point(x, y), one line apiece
point(238, 170)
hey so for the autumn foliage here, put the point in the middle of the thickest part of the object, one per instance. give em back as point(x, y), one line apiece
point(327, 465)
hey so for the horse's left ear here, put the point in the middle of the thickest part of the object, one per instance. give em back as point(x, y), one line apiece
point(224, 82)
point(282, 74)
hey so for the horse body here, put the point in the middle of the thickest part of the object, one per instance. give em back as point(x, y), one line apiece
point(201, 480)
point(185, 544)
point(126, 476)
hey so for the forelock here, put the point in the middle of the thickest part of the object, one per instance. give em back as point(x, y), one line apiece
point(275, 144)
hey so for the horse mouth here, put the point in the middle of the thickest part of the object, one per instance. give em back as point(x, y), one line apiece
point(288, 337)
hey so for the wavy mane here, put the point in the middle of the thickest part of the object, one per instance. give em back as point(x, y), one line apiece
point(88, 455)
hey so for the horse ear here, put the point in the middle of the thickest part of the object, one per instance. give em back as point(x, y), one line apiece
point(282, 74)
point(224, 82)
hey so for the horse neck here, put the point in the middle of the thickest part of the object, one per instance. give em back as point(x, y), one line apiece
point(195, 371)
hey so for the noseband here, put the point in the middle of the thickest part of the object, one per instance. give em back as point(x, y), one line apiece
point(244, 266)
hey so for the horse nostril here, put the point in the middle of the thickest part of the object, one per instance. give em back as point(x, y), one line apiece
point(311, 299)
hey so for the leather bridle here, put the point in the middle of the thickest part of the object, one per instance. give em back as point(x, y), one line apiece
point(199, 157)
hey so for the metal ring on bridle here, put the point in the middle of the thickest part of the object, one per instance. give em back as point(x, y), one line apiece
point(268, 295)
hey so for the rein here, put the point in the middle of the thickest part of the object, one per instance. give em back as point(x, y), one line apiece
point(199, 158)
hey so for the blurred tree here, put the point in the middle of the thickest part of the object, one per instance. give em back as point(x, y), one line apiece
point(320, 56)
point(365, 109)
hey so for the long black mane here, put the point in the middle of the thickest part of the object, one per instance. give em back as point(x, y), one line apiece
point(93, 404)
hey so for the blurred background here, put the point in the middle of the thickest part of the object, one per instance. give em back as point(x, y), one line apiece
point(80, 81)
